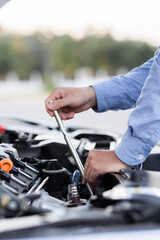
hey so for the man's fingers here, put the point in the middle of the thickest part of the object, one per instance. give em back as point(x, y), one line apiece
point(86, 168)
point(59, 104)
point(48, 102)
point(88, 171)
point(92, 186)
point(91, 169)
point(66, 116)
point(62, 105)
point(50, 112)
point(56, 94)
point(92, 176)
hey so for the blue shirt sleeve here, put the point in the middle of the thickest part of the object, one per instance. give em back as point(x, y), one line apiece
point(121, 92)
point(143, 131)
point(139, 88)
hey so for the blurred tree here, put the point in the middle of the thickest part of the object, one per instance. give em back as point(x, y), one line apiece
point(6, 57)
point(22, 59)
point(34, 44)
point(64, 53)
point(98, 51)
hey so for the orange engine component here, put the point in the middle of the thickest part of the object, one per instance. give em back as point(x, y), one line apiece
point(6, 165)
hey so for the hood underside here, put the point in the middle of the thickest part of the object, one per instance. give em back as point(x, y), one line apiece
point(2, 2)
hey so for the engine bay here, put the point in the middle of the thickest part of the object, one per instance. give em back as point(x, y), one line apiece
point(39, 179)
point(42, 161)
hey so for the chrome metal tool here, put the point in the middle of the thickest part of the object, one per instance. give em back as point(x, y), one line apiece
point(70, 145)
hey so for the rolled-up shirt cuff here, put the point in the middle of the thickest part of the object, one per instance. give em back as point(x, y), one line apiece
point(100, 92)
point(132, 150)
point(111, 95)
point(108, 96)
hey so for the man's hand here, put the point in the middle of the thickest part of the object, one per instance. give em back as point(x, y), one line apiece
point(69, 101)
point(100, 162)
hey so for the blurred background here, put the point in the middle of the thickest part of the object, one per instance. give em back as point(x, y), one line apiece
point(50, 43)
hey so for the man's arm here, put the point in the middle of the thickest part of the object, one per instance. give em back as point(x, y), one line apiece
point(121, 92)
point(143, 127)
point(144, 123)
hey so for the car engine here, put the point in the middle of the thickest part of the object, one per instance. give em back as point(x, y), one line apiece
point(40, 182)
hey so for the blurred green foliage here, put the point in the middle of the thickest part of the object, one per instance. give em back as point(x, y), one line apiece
point(64, 53)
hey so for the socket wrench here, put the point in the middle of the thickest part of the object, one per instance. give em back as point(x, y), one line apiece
point(70, 145)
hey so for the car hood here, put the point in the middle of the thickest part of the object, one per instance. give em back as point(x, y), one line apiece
point(2, 2)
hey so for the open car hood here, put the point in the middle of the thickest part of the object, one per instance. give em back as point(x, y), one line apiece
point(2, 2)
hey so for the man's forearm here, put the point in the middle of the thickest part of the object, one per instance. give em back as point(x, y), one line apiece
point(144, 123)
point(121, 92)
